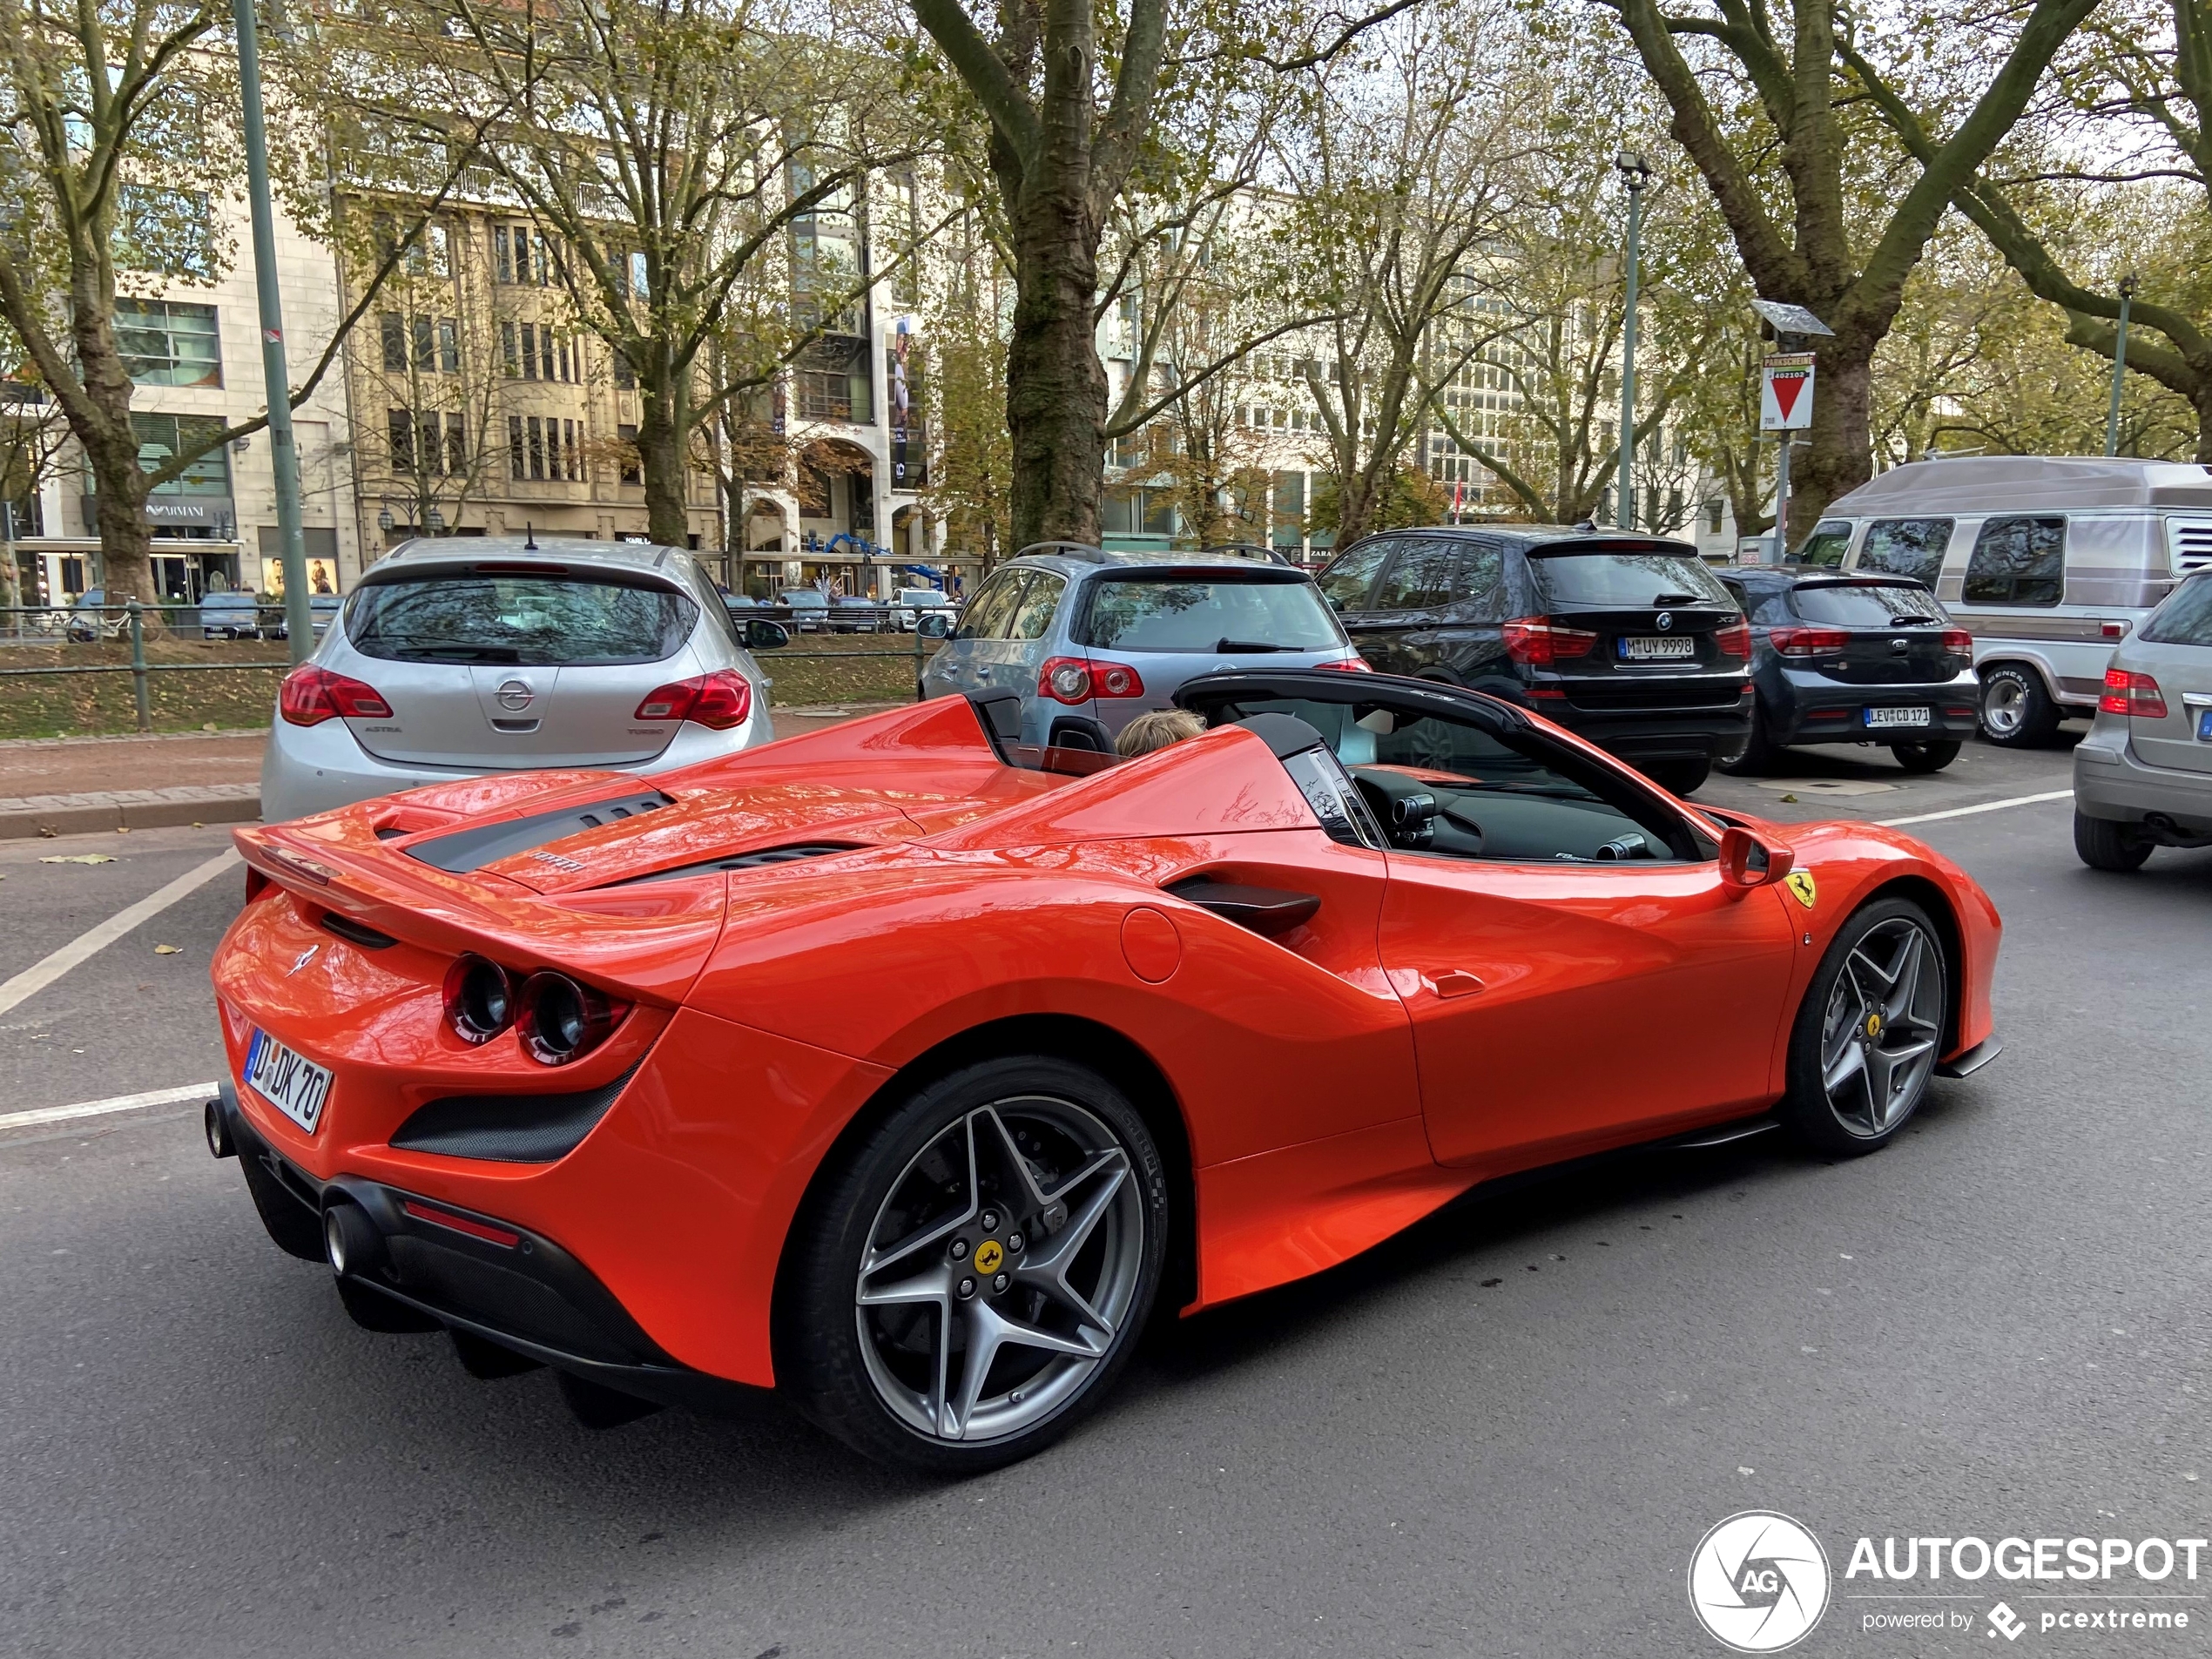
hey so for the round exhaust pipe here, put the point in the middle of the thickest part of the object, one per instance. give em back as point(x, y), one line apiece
point(217, 1129)
point(350, 1241)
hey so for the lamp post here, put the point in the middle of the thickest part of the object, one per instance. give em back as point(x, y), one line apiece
point(2119, 367)
point(1636, 173)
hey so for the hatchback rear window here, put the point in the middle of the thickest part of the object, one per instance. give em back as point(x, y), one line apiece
point(1867, 605)
point(2186, 617)
point(1626, 578)
point(532, 620)
point(1228, 613)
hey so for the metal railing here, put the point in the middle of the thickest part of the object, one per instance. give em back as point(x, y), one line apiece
point(91, 624)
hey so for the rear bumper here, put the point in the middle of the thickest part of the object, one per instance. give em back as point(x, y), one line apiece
point(1709, 731)
point(493, 1279)
point(1800, 709)
point(2110, 782)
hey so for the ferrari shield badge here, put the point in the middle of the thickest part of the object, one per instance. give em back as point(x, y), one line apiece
point(1800, 882)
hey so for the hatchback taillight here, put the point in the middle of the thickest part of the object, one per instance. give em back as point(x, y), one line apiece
point(310, 695)
point(719, 700)
point(1349, 665)
point(1957, 642)
point(1077, 680)
point(1538, 642)
point(1808, 641)
point(2131, 694)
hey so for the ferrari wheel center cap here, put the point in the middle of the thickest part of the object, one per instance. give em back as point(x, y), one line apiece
point(988, 1255)
point(1873, 1025)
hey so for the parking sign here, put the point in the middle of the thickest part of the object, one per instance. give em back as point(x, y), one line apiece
point(1785, 392)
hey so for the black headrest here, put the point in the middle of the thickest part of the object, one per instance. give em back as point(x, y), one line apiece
point(1285, 734)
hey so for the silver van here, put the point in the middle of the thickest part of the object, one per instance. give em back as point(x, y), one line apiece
point(2049, 562)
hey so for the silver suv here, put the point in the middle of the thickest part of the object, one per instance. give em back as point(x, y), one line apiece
point(1091, 639)
point(453, 658)
point(2142, 778)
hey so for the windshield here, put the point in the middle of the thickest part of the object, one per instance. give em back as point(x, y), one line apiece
point(2186, 617)
point(530, 621)
point(1175, 611)
point(1629, 579)
point(1868, 604)
point(806, 596)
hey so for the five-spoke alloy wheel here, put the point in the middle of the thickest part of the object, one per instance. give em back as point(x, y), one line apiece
point(1001, 1237)
point(1870, 1030)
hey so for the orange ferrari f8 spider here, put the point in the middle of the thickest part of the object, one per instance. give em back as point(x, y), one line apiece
point(905, 1071)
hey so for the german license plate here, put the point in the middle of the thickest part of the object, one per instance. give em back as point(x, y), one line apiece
point(2204, 726)
point(1898, 716)
point(1656, 648)
point(295, 1087)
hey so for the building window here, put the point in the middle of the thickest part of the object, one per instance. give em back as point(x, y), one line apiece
point(448, 346)
point(515, 468)
point(457, 445)
point(399, 430)
point(426, 346)
point(161, 436)
point(167, 343)
point(509, 353)
point(625, 376)
point(165, 231)
point(536, 428)
point(572, 462)
point(530, 351)
point(545, 352)
point(503, 256)
point(633, 472)
point(393, 327)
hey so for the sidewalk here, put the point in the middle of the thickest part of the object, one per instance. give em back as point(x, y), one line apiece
point(73, 786)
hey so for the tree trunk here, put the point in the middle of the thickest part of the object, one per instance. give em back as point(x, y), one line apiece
point(1840, 456)
point(661, 457)
point(1055, 386)
point(111, 445)
point(2201, 401)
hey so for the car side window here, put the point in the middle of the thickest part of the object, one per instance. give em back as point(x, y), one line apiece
point(986, 613)
point(1032, 617)
point(1344, 583)
point(1421, 577)
point(1830, 540)
point(1481, 585)
point(1912, 547)
point(1773, 608)
point(2018, 561)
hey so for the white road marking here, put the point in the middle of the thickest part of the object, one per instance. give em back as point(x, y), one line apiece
point(101, 1108)
point(1968, 811)
point(86, 945)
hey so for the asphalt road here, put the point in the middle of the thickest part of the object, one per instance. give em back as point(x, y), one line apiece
point(1503, 1433)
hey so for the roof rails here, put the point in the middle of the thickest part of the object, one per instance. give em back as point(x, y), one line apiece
point(1247, 550)
point(1083, 550)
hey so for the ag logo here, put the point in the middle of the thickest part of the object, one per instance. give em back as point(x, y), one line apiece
point(1801, 883)
point(1758, 1582)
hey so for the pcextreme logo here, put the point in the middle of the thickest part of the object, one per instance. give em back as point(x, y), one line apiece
point(1758, 1582)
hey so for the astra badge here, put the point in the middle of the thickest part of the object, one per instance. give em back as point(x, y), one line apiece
point(1801, 883)
point(1758, 1582)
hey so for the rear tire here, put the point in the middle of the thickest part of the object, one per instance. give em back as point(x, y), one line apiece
point(1755, 756)
point(2016, 711)
point(892, 1278)
point(2104, 844)
point(1926, 757)
point(1678, 777)
point(1869, 1033)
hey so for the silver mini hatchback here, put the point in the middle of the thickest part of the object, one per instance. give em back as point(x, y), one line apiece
point(455, 657)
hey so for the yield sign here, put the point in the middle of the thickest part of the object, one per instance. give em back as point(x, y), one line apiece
point(1786, 394)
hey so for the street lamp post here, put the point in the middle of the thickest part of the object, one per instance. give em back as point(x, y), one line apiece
point(284, 454)
point(2119, 368)
point(1635, 172)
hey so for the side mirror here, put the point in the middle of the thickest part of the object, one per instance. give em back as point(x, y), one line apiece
point(762, 635)
point(1747, 861)
point(935, 625)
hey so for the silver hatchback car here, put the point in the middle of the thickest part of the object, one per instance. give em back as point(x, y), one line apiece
point(2142, 778)
point(455, 657)
point(1092, 639)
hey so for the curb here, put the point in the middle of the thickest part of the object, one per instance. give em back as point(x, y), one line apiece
point(82, 815)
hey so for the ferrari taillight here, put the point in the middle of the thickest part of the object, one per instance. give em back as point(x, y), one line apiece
point(2131, 694)
point(560, 1021)
point(1539, 643)
point(480, 1000)
point(1808, 641)
point(310, 695)
point(719, 700)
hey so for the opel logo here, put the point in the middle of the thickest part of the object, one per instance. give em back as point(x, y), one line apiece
point(1666, 619)
point(516, 695)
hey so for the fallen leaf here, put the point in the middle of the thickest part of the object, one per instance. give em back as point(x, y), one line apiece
point(78, 858)
point(1791, 799)
point(166, 950)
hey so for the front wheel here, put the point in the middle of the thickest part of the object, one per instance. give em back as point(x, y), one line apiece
point(2103, 844)
point(973, 1278)
point(2016, 711)
point(1926, 757)
point(1869, 1032)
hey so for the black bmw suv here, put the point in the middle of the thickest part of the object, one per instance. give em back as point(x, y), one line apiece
point(1626, 640)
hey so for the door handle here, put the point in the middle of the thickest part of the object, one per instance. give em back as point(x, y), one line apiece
point(1454, 982)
